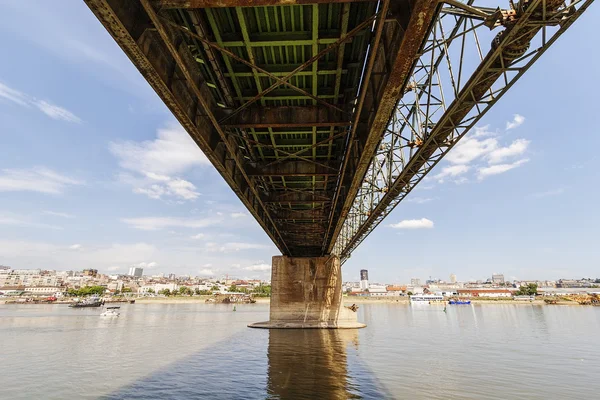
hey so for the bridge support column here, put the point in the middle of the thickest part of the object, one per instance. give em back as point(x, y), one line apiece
point(306, 292)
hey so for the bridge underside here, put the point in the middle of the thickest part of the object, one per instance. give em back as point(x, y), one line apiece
point(322, 115)
point(277, 96)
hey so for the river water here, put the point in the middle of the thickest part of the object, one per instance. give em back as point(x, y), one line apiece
point(189, 351)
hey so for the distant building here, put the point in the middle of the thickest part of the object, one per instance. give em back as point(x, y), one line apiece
point(377, 290)
point(172, 277)
point(498, 279)
point(90, 272)
point(136, 272)
point(484, 292)
point(452, 278)
point(415, 282)
point(364, 279)
point(394, 290)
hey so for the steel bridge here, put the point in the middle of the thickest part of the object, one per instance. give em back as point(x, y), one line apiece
point(322, 115)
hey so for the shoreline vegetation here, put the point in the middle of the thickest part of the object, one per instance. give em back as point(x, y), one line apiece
point(347, 300)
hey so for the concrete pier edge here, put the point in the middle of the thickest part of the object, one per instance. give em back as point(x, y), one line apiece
point(306, 293)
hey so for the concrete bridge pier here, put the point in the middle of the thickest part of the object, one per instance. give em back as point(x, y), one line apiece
point(306, 293)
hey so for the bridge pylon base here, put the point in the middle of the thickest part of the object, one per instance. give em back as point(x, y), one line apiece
point(306, 293)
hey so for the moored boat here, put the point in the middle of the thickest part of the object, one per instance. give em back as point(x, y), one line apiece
point(89, 302)
point(459, 302)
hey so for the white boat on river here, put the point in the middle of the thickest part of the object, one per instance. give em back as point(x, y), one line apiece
point(426, 298)
point(111, 312)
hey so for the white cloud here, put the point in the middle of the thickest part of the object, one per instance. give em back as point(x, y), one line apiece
point(483, 149)
point(156, 223)
point(483, 173)
point(206, 272)
point(24, 100)
point(258, 267)
point(481, 131)
point(59, 214)
point(56, 112)
point(453, 170)
point(516, 122)
point(234, 246)
point(238, 215)
point(176, 188)
point(114, 268)
point(172, 152)
point(422, 223)
point(75, 247)
point(198, 236)
point(471, 148)
point(153, 163)
point(419, 200)
point(146, 264)
point(37, 179)
point(13, 95)
point(516, 148)
point(208, 265)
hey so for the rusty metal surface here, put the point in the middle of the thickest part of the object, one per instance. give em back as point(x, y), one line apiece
point(286, 117)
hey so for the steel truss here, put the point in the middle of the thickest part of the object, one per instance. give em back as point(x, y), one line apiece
point(440, 106)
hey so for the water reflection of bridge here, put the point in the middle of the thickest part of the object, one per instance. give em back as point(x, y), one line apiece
point(297, 364)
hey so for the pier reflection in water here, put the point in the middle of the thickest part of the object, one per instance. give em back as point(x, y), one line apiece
point(310, 363)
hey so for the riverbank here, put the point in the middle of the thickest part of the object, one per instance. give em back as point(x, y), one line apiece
point(347, 301)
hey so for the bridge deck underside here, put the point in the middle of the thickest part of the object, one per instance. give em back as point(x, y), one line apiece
point(284, 122)
point(323, 115)
point(281, 98)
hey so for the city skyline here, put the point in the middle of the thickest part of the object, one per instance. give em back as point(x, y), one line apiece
point(100, 175)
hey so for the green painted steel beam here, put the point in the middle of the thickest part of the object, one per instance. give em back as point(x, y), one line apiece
point(280, 42)
point(227, 61)
point(283, 98)
point(301, 73)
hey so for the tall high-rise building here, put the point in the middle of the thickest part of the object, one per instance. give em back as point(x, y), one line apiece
point(415, 282)
point(452, 278)
point(497, 278)
point(364, 279)
point(136, 272)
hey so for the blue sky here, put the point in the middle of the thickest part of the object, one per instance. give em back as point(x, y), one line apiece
point(95, 172)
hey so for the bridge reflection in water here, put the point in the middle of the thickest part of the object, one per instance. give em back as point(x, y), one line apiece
point(274, 364)
point(310, 363)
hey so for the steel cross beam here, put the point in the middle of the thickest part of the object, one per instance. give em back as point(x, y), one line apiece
point(428, 121)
